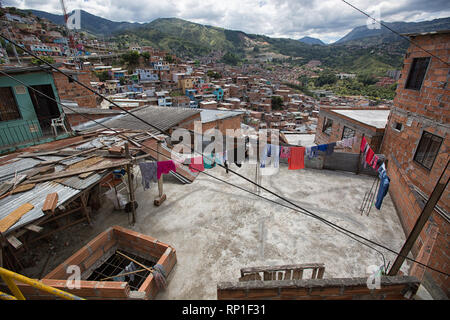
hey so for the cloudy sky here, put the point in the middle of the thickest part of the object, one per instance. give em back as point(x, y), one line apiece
point(327, 20)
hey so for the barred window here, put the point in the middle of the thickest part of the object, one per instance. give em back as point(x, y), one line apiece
point(348, 133)
point(8, 106)
point(327, 124)
point(417, 73)
point(428, 149)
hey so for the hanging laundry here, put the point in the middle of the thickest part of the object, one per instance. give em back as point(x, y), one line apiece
point(265, 153)
point(209, 162)
point(369, 156)
point(374, 161)
point(275, 154)
point(348, 142)
point(285, 152)
point(226, 166)
point(364, 156)
point(379, 163)
point(312, 152)
point(363, 144)
point(219, 159)
point(225, 158)
point(297, 159)
point(148, 173)
point(165, 167)
point(196, 164)
point(330, 148)
point(322, 147)
point(383, 189)
point(237, 161)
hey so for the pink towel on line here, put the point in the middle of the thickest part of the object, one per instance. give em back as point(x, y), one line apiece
point(165, 167)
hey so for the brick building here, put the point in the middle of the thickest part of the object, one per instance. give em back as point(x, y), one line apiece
point(417, 145)
point(336, 124)
point(69, 90)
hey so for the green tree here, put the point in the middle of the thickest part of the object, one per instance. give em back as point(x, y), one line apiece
point(146, 55)
point(326, 77)
point(37, 62)
point(131, 58)
point(277, 103)
point(230, 58)
point(169, 58)
point(122, 81)
point(366, 79)
point(102, 76)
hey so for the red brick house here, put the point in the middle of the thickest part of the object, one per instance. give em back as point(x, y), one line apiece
point(416, 145)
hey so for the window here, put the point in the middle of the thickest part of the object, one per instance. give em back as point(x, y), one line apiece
point(427, 150)
point(348, 133)
point(327, 124)
point(417, 73)
point(73, 77)
point(8, 105)
point(398, 126)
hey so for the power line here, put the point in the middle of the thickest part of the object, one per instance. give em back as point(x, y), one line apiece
point(390, 29)
point(243, 177)
point(303, 211)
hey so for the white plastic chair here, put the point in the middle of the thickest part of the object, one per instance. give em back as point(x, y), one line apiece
point(59, 122)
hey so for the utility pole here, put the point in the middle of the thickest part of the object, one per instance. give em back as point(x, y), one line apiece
point(421, 221)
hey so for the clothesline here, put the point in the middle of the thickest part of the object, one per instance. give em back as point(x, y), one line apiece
point(152, 171)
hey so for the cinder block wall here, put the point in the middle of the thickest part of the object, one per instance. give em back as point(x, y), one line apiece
point(94, 254)
point(392, 288)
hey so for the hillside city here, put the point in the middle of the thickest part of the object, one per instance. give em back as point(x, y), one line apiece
point(87, 123)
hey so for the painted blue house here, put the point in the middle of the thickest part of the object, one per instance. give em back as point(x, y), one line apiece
point(218, 92)
point(191, 93)
point(25, 115)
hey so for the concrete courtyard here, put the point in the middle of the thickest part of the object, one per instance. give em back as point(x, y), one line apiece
point(218, 229)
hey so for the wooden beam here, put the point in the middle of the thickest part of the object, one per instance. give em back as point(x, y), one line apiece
point(14, 242)
point(14, 216)
point(34, 228)
point(70, 173)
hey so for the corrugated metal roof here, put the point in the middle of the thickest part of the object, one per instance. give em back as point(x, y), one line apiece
point(161, 117)
point(81, 184)
point(208, 115)
point(36, 197)
point(7, 171)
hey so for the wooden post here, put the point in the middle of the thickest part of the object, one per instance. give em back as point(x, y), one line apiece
point(130, 186)
point(358, 167)
point(160, 199)
point(420, 223)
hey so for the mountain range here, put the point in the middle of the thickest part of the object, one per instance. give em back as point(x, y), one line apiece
point(310, 40)
point(372, 50)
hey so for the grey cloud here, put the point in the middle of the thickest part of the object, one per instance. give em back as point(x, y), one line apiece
point(326, 19)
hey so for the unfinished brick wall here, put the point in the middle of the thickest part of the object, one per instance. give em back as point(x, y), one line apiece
point(95, 253)
point(73, 91)
point(417, 111)
point(392, 288)
point(373, 135)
